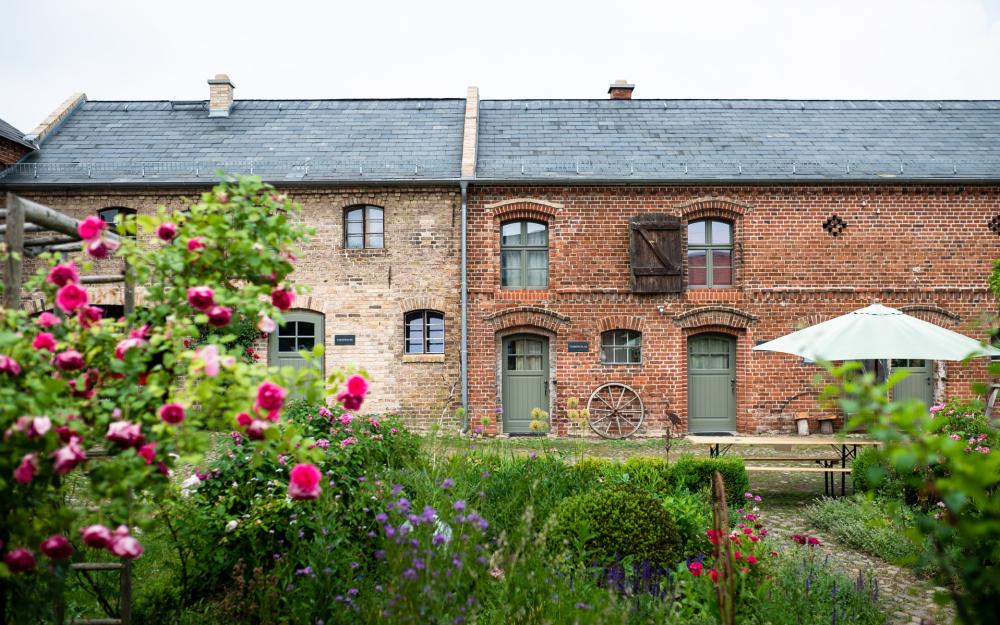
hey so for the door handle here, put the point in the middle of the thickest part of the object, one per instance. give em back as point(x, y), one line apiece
point(732, 385)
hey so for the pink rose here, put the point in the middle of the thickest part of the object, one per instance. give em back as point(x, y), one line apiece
point(201, 297)
point(89, 315)
point(219, 316)
point(166, 231)
point(210, 361)
point(39, 427)
point(256, 429)
point(243, 419)
point(66, 458)
point(195, 243)
point(266, 324)
point(124, 545)
point(57, 547)
point(270, 397)
point(19, 560)
point(70, 297)
point(125, 433)
point(125, 345)
point(47, 320)
point(25, 472)
point(357, 385)
point(282, 299)
point(100, 248)
point(44, 340)
point(172, 413)
point(9, 366)
point(345, 418)
point(69, 360)
point(96, 536)
point(303, 482)
point(61, 275)
point(147, 452)
point(91, 228)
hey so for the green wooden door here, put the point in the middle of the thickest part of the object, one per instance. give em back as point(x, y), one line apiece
point(525, 380)
point(301, 331)
point(919, 384)
point(711, 383)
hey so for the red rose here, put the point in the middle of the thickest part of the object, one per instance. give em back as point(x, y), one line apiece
point(57, 547)
point(282, 299)
point(172, 413)
point(219, 316)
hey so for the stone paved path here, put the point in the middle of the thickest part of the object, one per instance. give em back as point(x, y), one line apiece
point(907, 598)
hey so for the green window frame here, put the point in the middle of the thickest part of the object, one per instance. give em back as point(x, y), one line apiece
point(364, 227)
point(524, 255)
point(710, 254)
point(423, 332)
point(621, 347)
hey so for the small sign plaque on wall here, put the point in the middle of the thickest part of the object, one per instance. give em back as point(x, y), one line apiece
point(343, 339)
point(579, 346)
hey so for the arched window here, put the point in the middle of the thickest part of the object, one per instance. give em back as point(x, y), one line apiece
point(364, 228)
point(710, 253)
point(302, 330)
point(111, 217)
point(621, 347)
point(423, 332)
point(524, 255)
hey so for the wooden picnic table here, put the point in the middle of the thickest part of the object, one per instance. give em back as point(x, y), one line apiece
point(847, 447)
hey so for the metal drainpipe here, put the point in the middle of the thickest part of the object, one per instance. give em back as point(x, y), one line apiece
point(464, 349)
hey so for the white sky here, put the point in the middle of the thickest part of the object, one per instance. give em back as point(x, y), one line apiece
point(137, 49)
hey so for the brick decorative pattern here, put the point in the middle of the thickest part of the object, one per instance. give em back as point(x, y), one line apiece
point(360, 292)
point(927, 249)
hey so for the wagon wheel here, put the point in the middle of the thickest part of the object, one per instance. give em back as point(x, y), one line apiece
point(615, 410)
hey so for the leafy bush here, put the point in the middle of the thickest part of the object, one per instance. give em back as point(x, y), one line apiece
point(695, 474)
point(965, 419)
point(611, 524)
point(870, 473)
point(692, 513)
point(868, 526)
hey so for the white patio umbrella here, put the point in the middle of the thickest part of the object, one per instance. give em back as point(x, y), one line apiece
point(875, 333)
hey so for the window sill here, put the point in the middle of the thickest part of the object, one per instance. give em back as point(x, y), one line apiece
point(423, 358)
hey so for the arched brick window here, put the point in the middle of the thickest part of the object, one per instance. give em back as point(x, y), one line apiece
point(524, 254)
point(364, 227)
point(423, 332)
point(114, 215)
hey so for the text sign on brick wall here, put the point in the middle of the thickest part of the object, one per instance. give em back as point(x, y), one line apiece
point(579, 346)
point(343, 339)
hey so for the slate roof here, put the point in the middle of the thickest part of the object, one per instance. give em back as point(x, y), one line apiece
point(9, 132)
point(733, 140)
point(565, 141)
point(162, 142)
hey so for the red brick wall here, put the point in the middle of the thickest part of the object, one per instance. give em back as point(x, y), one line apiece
point(907, 246)
point(10, 152)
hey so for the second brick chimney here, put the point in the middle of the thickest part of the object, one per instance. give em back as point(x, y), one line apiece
point(621, 90)
point(220, 96)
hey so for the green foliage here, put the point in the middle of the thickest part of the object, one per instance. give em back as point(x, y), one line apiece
point(612, 524)
point(870, 473)
point(692, 514)
point(871, 526)
point(695, 474)
point(957, 484)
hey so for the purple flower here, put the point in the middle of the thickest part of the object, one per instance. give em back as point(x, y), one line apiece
point(410, 574)
point(304, 571)
point(419, 564)
point(381, 517)
point(459, 505)
point(403, 505)
point(447, 483)
point(428, 514)
point(532, 456)
point(353, 592)
point(396, 489)
point(379, 554)
point(456, 562)
point(354, 565)
point(582, 606)
point(437, 539)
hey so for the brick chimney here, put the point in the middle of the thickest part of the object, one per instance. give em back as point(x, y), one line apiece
point(220, 96)
point(621, 90)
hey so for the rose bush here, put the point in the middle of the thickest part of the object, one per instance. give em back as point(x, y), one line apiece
point(135, 387)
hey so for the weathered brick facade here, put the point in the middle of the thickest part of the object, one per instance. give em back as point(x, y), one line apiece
point(10, 152)
point(363, 292)
point(925, 249)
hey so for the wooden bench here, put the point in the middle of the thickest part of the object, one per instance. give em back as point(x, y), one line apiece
point(829, 471)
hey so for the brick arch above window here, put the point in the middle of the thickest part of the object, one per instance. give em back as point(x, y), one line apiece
point(932, 314)
point(527, 316)
point(423, 302)
point(721, 316)
point(621, 322)
point(524, 208)
point(708, 207)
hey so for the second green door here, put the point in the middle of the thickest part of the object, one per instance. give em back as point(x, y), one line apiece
point(525, 373)
point(711, 383)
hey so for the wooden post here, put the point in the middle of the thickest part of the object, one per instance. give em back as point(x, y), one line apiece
point(129, 298)
point(14, 237)
point(125, 601)
point(725, 588)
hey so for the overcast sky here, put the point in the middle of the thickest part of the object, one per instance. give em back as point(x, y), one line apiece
point(132, 49)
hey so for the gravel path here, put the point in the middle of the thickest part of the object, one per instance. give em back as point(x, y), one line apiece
point(907, 598)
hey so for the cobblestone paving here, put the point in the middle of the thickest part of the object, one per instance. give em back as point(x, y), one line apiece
point(907, 598)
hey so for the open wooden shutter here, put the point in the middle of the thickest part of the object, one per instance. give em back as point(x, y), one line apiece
point(655, 243)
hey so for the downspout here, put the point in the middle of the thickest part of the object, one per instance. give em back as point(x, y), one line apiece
point(464, 349)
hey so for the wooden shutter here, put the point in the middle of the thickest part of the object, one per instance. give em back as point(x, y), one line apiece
point(655, 243)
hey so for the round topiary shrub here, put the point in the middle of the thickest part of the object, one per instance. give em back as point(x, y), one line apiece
point(608, 525)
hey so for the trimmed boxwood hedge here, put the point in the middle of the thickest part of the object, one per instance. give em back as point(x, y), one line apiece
point(656, 476)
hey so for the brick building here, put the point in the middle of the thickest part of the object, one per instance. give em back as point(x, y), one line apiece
point(13, 145)
point(644, 243)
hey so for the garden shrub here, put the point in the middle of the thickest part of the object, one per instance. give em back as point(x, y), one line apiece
point(692, 513)
point(608, 525)
point(870, 473)
point(695, 474)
